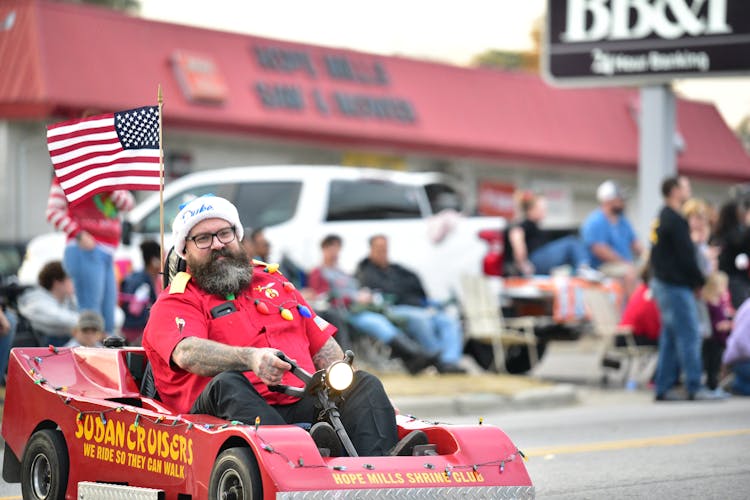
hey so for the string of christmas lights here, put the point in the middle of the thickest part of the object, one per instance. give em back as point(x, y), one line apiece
point(177, 422)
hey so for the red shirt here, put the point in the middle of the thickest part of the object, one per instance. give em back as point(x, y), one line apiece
point(176, 316)
point(642, 314)
point(97, 215)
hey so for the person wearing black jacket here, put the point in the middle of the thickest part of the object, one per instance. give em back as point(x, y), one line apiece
point(676, 277)
point(732, 235)
point(436, 331)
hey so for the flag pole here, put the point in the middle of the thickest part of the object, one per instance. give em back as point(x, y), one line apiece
point(160, 100)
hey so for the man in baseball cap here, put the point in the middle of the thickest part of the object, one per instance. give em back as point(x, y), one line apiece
point(89, 331)
point(609, 191)
point(213, 338)
point(609, 237)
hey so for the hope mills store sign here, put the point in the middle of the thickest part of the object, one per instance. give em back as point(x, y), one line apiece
point(615, 42)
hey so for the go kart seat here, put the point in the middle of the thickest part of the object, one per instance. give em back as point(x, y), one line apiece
point(140, 369)
point(148, 387)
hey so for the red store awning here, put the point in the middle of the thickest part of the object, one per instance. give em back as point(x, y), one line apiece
point(60, 59)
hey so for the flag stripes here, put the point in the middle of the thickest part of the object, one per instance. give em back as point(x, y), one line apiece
point(106, 152)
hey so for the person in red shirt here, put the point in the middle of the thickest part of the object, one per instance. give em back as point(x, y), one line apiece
point(641, 314)
point(213, 336)
point(93, 231)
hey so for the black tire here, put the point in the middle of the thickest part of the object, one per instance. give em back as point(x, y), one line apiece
point(44, 467)
point(235, 476)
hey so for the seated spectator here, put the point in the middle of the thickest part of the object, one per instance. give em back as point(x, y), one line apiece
point(610, 239)
point(531, 249)
point(247, 242)
point(435, 330)
point(138, 292)
point(260, 245)
point(51, 307)
point(344, 293)
point(736, 357)
point(641, 314)
point(262, 251)
point(713, 295)
point(89, 331)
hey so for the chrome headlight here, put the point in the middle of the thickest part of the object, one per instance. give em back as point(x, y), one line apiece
point(339, 375)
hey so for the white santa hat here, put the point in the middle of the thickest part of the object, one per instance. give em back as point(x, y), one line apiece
point(204, 207)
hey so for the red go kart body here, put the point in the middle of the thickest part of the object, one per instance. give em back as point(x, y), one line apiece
point(111, 434)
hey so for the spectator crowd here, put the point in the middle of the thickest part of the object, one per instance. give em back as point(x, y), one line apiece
point(685, 292)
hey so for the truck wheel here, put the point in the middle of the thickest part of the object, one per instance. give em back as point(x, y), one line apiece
point(44, 468)
point(235, 476)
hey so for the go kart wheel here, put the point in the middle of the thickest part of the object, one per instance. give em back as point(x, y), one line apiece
point(235, 476)
point(44, 468)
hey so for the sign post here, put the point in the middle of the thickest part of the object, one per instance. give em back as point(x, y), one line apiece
point(646, 43)
point(657, 151)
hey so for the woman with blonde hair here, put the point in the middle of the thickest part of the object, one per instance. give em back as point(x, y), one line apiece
point(532, 249)
point(697, 212)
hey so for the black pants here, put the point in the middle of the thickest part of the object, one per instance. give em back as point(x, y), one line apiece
point(366, 412)
point(712, 352)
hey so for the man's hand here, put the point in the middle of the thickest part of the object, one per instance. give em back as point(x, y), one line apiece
point(526, 268)
point(268, 366)
point(86, 241)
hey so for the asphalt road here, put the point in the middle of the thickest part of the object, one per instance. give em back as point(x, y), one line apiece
point(616, 444)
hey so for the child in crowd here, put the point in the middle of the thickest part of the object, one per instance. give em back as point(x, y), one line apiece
point(139, 291)
point(714, 295)
point(89, 331)
point(641, 314)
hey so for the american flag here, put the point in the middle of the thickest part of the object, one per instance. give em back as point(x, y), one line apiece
point(106, 152)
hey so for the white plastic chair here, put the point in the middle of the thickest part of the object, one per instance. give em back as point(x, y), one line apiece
point(605, 320)
point(484, 321)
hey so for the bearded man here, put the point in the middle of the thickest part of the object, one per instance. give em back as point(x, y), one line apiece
point(609, 238)
point(213, 336)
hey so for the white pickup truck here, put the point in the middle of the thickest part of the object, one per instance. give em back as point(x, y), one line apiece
point(299, 205)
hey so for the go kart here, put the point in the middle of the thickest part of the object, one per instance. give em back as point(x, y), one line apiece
point(76, 425)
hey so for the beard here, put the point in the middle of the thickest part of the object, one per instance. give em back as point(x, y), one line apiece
point(228, 276)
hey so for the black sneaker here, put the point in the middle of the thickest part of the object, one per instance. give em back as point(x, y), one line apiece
point(611, 363)
point(416, 364)
point(326, 439)
point(450, 368)
point(405, 447)
point(672, 395)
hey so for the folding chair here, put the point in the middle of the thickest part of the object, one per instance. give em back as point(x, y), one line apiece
point(604, 318)
point(484, 321)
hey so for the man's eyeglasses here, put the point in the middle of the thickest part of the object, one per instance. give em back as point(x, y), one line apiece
point(205, 240)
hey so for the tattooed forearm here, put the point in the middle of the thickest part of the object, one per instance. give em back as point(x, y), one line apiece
point(207, 358)
point(327, 354)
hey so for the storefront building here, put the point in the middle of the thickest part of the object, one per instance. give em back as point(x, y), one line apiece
point(233, 99)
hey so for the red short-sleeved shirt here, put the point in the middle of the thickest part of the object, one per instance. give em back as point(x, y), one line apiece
point(176, 316)
point(642, 314)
